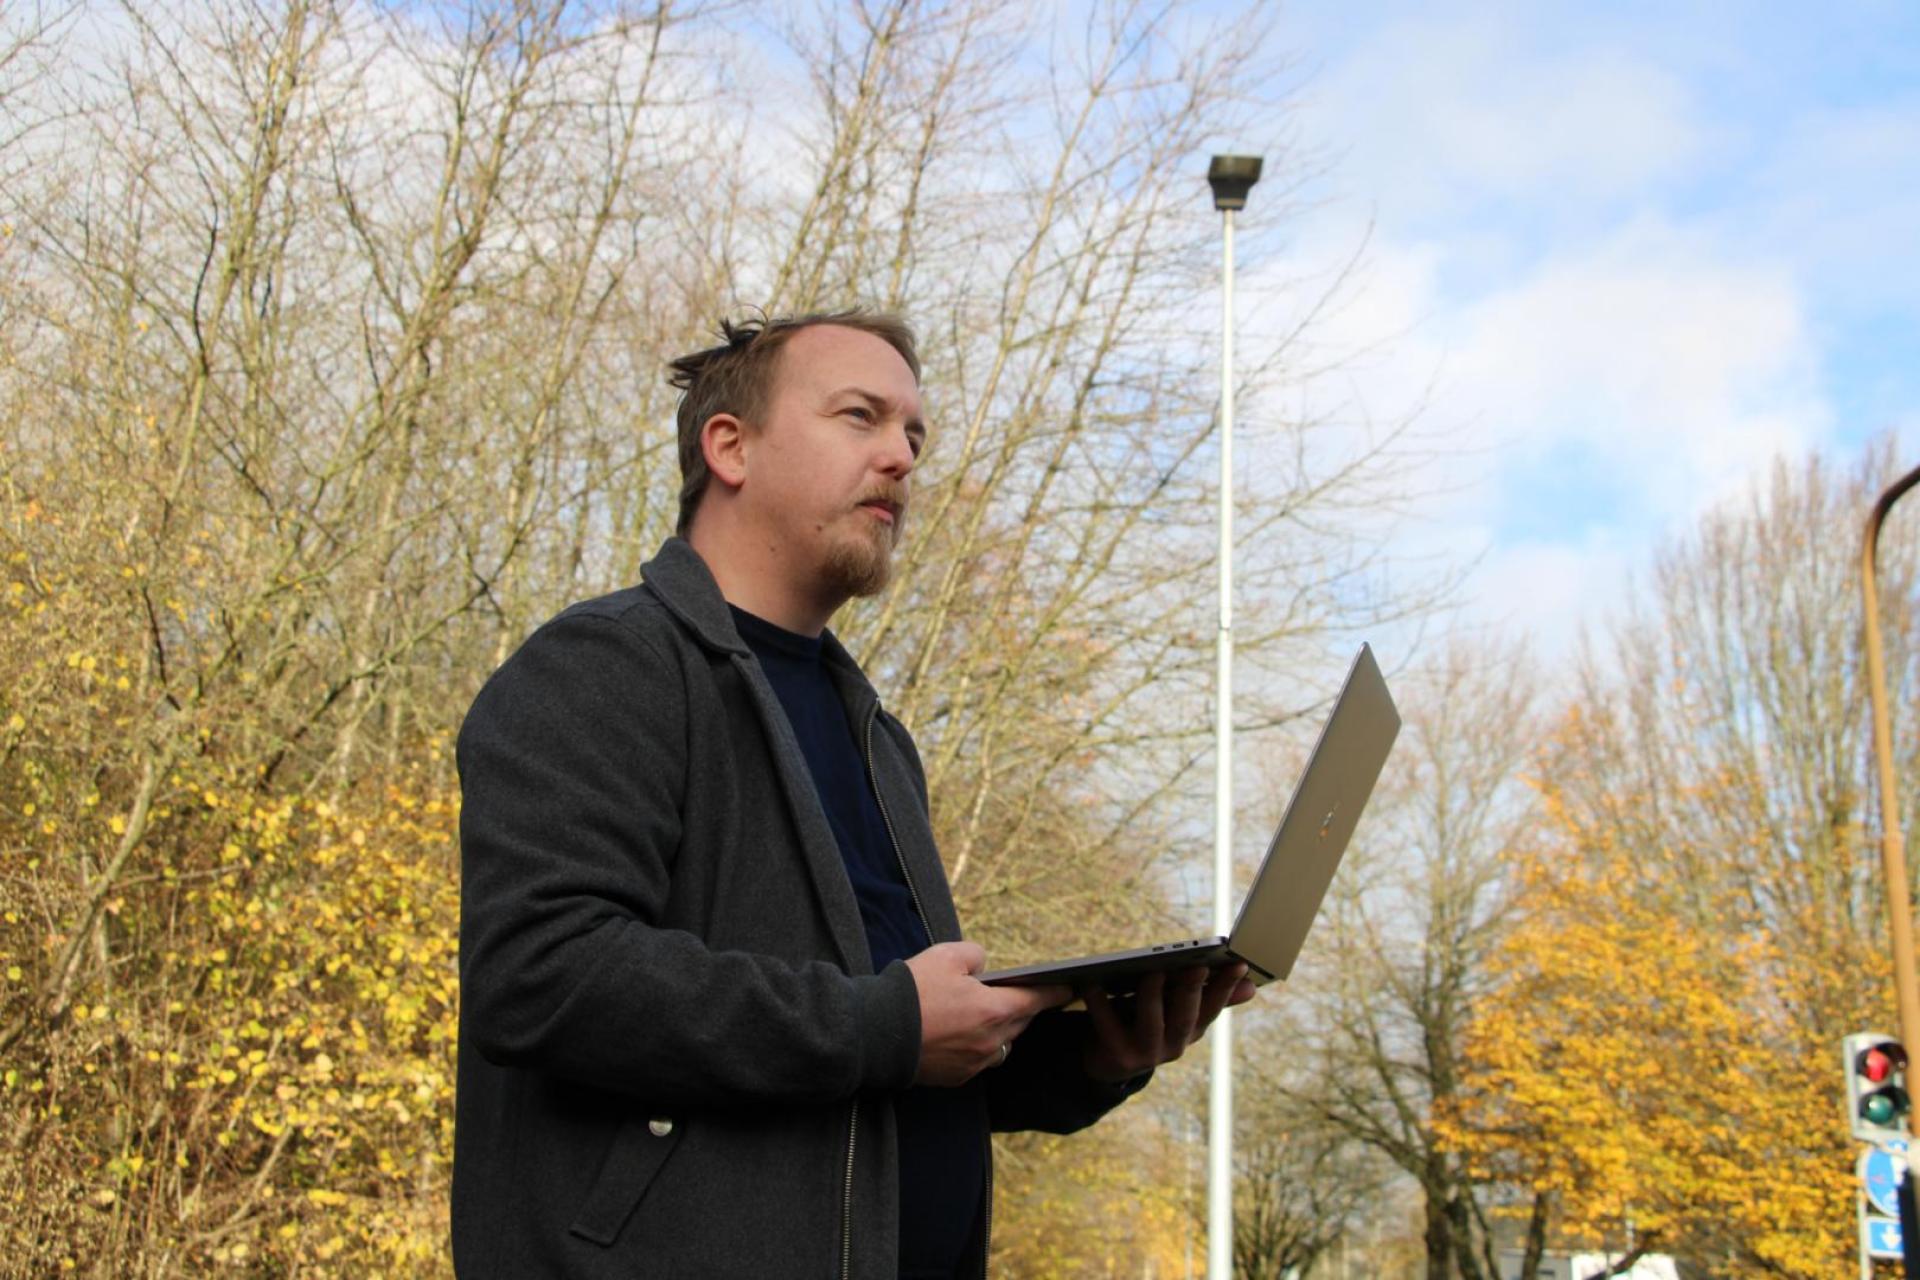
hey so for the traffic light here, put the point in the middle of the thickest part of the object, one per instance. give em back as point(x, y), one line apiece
point(1877, 1102)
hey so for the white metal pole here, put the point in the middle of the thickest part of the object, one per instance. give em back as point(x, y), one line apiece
point(1860, 1234)
point(1188, 1138)
point(1220, 1081)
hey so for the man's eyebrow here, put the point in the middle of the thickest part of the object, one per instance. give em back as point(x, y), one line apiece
point(881, 403)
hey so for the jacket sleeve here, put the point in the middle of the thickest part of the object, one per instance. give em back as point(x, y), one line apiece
point(572, 763)
point(1043, 1084)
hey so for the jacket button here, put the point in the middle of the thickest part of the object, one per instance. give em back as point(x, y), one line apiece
point(659, 1126)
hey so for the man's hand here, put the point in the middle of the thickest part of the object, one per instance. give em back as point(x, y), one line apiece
point(964, 1023)
point(1168, 1015)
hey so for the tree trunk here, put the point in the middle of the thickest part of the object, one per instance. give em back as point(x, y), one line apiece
point(1460, 1214)
point(1439, 1236)
point(1536, 1235)
point(1626, 1262)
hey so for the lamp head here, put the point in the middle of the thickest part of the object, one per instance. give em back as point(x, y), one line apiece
point(1231, 177)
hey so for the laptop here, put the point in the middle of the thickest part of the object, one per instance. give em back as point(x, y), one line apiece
point(1285, 896)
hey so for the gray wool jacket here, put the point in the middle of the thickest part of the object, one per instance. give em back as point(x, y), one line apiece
point(675, 1058)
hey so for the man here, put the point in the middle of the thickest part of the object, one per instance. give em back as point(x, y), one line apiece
point(717, 1018)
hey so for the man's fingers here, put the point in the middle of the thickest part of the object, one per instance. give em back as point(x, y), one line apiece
point(1183, 1006)
point(1222, 986)
point(1167, 1016)
point(1005, 1031)
point(1150, 1013)
point(950, 957)
point(1014, 1007)
point(1013, 1031)
point(1040, 999)
point(1021, 1004)
point(1106, 1023)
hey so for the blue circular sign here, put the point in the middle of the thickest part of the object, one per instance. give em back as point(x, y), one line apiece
point(1878, 1177)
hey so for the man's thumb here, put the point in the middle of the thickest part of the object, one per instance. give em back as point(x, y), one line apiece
point(972, 955)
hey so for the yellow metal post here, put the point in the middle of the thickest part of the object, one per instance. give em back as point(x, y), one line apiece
point(1893, 856)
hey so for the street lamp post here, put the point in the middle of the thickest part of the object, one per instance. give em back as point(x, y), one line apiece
point(1893, 857)
point(1892, 849)
point(1231, 177)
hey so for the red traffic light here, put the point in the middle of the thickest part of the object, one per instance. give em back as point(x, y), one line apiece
point(1881, 1061)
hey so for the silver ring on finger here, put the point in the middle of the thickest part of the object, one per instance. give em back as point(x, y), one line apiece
point(1006, 1048)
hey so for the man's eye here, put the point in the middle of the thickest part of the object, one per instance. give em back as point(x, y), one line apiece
point(861, 412)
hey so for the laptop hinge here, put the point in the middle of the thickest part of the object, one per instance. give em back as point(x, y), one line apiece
point(1256, 968)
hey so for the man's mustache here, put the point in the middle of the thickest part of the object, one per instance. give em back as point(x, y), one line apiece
point(893, 497)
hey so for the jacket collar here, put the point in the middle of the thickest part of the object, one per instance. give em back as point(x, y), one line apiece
point(684, 584)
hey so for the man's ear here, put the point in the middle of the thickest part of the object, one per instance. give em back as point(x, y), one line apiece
point(723, 442)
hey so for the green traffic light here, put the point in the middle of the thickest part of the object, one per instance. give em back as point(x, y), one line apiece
point(1885, 1106)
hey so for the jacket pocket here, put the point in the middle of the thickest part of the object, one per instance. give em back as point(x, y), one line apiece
point(639, 1149)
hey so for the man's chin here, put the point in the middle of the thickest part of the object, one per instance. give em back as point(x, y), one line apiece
point(861, 568)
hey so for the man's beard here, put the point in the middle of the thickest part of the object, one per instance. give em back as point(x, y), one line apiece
point(863, 564)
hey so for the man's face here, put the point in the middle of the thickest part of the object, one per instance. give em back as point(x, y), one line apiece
point(827, 467)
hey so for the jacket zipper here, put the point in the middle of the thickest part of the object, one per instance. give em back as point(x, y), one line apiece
point(873, 780)
point(846, 1206)
point(986, 1245)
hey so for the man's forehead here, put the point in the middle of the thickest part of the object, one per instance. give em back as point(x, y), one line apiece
point(827, 357)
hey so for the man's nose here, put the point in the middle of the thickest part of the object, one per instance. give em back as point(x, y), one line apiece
point(896, 457)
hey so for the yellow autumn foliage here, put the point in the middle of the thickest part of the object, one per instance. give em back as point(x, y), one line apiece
point(1115, 1200)
point(264, 1082)
point(1658, 1074)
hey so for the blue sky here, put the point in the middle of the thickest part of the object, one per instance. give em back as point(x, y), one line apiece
point(1618, 257)
point(1614, 259)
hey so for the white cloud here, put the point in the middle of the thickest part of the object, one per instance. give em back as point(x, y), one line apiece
point(1451, 113)
point(1681, 370)
point(1551, 591)
point(1842, 188)
point(1586, 409)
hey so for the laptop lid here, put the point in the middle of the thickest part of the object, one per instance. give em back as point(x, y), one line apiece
point(1306, 849)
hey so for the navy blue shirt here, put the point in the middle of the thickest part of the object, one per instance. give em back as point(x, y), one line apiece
point(942, 1151)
